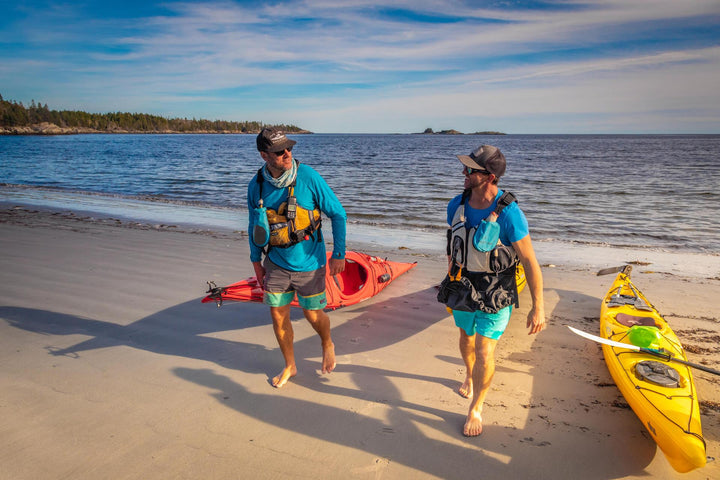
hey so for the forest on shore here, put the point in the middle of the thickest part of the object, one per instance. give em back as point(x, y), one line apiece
point(18, 119)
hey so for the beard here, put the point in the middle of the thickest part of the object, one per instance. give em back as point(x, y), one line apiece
point(472, 182)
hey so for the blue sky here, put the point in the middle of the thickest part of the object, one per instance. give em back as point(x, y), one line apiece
point(609, 66)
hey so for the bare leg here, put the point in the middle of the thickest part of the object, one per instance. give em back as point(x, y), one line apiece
point(482, 376)
point(321, 324)
point(285, 336)
point(467, 351)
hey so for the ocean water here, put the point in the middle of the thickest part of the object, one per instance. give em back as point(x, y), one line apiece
point(655, 192)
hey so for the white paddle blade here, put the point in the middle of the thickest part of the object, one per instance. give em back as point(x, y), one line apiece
point(606, 341)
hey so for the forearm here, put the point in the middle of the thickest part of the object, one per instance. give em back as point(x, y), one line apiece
point(255, 253)
point(339, 231)
point(533, 273)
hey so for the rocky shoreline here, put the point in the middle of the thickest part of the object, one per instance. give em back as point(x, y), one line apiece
point(46, 128)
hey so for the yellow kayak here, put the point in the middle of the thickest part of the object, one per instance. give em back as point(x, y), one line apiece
point(661, 393)
point(520, 277)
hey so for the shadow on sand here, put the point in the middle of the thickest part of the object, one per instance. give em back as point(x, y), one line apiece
point(502, 451)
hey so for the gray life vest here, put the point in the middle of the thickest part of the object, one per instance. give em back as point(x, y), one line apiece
point(478, 280)
point(462, 249)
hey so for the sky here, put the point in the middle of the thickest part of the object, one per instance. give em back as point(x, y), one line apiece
point(356, 66)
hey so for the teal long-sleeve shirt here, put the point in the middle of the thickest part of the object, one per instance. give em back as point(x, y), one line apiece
point(311, 192)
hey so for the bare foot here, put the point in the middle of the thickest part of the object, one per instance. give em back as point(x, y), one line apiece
point(284, 376)
point(328, 364)
point(466, 389)
point(473, 425)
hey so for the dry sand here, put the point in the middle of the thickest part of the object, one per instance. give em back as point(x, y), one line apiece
point(110, 367)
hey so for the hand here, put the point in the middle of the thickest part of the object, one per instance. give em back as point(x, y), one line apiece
point(336, 266)
point(536, 320)
point(259, 273)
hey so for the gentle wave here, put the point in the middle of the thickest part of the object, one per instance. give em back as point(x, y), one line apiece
point(646, 191)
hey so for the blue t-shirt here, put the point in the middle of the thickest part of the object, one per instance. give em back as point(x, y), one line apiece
point(311, 192)
point(512, 221)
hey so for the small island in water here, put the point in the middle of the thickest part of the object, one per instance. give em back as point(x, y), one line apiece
point(429, 131)
point(38, 119)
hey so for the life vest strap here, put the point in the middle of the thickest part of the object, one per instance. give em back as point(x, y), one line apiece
point(505, 199)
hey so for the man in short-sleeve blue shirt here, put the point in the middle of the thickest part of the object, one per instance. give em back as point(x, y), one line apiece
point(480, 330)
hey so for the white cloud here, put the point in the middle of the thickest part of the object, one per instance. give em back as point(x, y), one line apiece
point(640, 87)
point(350, 66)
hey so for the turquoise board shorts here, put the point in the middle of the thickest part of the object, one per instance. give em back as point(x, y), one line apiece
point(281, 286)
point(490, 325)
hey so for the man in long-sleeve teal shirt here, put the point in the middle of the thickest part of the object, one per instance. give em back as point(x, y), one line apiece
point(300, 267)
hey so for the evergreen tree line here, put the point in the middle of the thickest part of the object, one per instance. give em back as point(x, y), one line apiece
point(15, 114)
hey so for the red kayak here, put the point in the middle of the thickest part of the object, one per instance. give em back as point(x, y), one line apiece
point(364, 277)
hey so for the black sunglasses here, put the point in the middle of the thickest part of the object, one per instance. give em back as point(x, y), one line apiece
point(470, 171)
point(282, 152)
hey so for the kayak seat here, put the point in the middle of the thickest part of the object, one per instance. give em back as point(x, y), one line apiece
point(352, 279)
point(632, 320)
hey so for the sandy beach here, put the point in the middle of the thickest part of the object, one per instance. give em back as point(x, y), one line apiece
point(110, 367)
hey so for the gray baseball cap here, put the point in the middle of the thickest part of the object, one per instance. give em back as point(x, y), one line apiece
point(487, 158)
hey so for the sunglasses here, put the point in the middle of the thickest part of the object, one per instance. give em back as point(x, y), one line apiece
point(282, 152)
point(469, 171)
